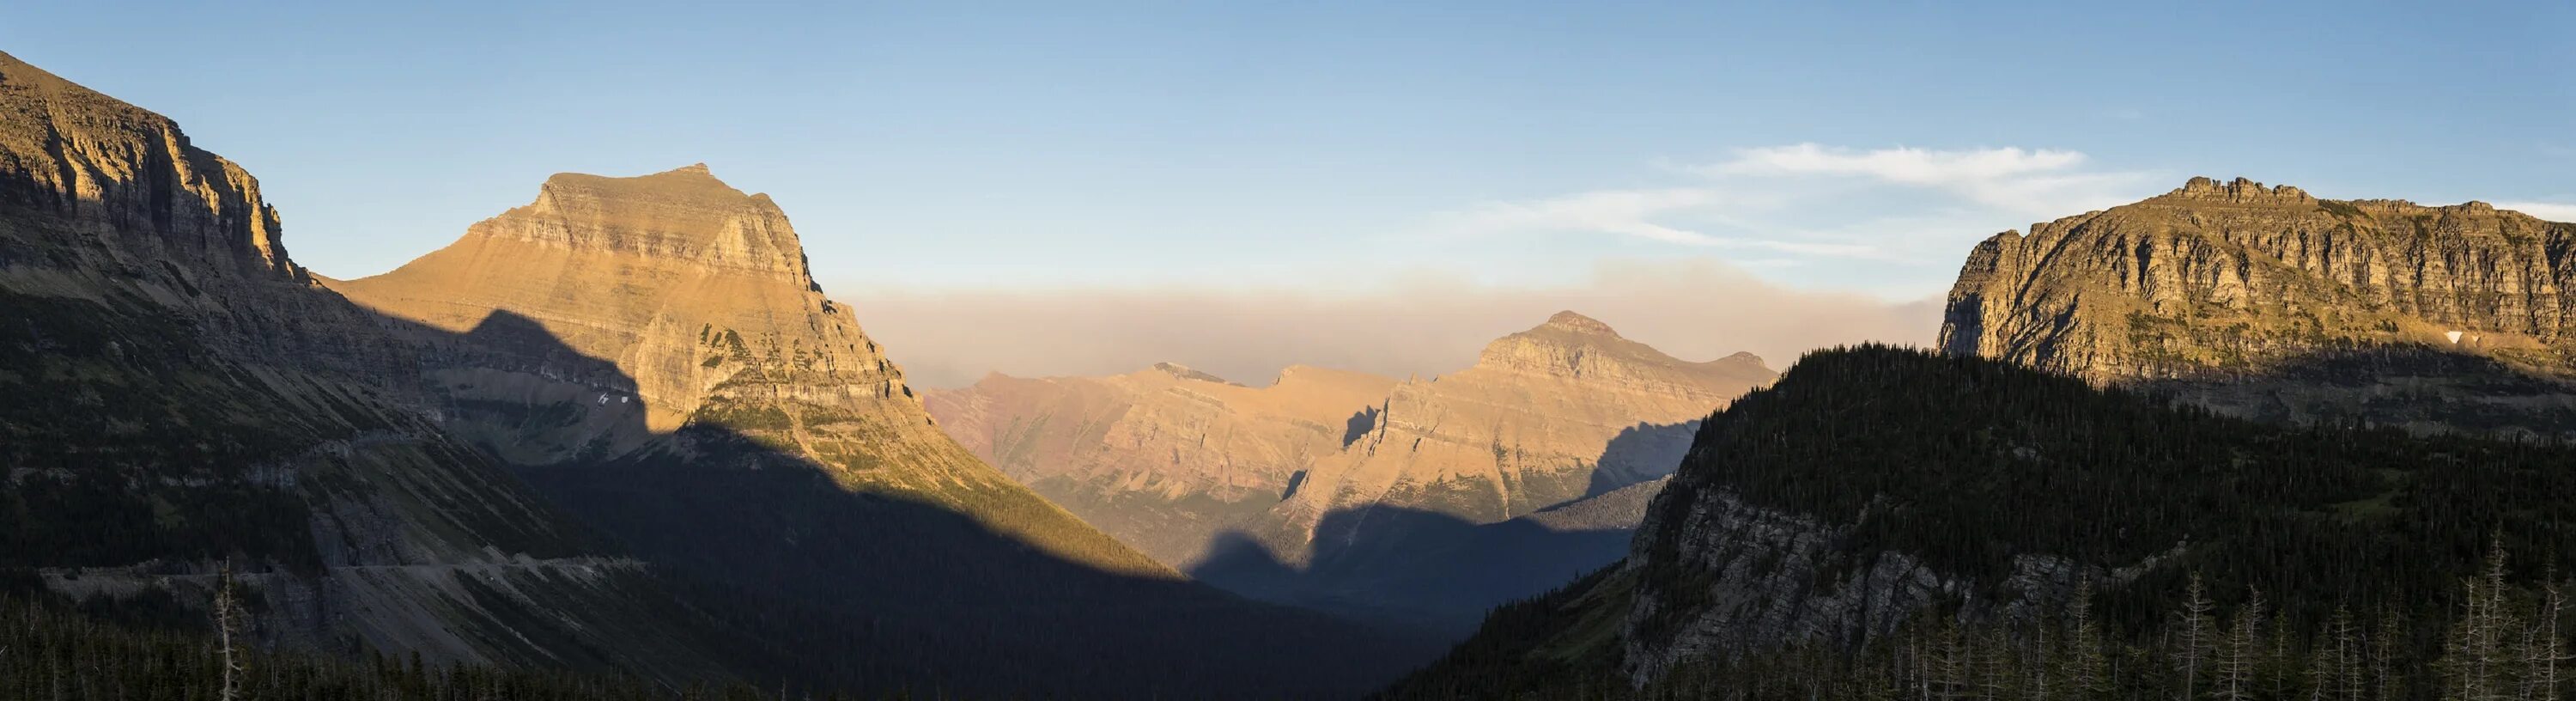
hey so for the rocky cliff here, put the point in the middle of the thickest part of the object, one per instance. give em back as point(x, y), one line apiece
point(2271, 302)
point(1340, 489)
point(180, 394)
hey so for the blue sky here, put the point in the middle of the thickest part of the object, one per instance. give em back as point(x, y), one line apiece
point(1322, 146)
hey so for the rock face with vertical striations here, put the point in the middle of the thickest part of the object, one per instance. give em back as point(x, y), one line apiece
point(2271, 303)
point(1344, 491)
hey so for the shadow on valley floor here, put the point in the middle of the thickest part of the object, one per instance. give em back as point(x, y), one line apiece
point(1411, 569)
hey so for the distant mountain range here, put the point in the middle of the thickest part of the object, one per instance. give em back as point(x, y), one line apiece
point(1422, 501)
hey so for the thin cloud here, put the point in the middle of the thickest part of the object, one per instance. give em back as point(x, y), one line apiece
point(2546, 210)
point(1782, 200)
point(1635, 213)
point(2041, 182)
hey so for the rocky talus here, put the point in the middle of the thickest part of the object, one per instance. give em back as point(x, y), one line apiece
point(2267, 301)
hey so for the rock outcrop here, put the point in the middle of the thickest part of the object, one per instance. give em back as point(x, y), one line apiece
point(2271, 302)
point(1333, 488)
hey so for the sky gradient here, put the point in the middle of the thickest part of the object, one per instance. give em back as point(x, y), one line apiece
point(1338, 151)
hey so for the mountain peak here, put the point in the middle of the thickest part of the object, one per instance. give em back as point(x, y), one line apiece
point(680, 216)
point(2241, 190)
point(1577, 323)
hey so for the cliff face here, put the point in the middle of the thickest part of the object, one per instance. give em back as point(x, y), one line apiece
point(1340, 489)
point(180, 393)
point(2223, 288)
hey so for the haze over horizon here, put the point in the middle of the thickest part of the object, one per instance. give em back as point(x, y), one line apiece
point(1039, 190)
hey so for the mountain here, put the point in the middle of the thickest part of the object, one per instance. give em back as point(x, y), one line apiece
point(653, 354)
point(2270, 303)
point(1836, 526)
point(182, 397)
point(1392, 501)
point(683, 302)
point(1167, 457)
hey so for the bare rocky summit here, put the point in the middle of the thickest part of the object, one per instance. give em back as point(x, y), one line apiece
point(2267, 301)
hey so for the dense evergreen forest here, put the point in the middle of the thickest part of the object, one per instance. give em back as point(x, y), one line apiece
point(2322, 542)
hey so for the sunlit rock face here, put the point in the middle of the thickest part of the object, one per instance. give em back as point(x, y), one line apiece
point(2225, 290)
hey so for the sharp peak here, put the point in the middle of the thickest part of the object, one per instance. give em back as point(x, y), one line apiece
point(1577, 323)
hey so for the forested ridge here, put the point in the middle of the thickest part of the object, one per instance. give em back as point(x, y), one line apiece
point(2320, 540)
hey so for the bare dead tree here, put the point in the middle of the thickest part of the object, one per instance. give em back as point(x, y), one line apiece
point(227, 623)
